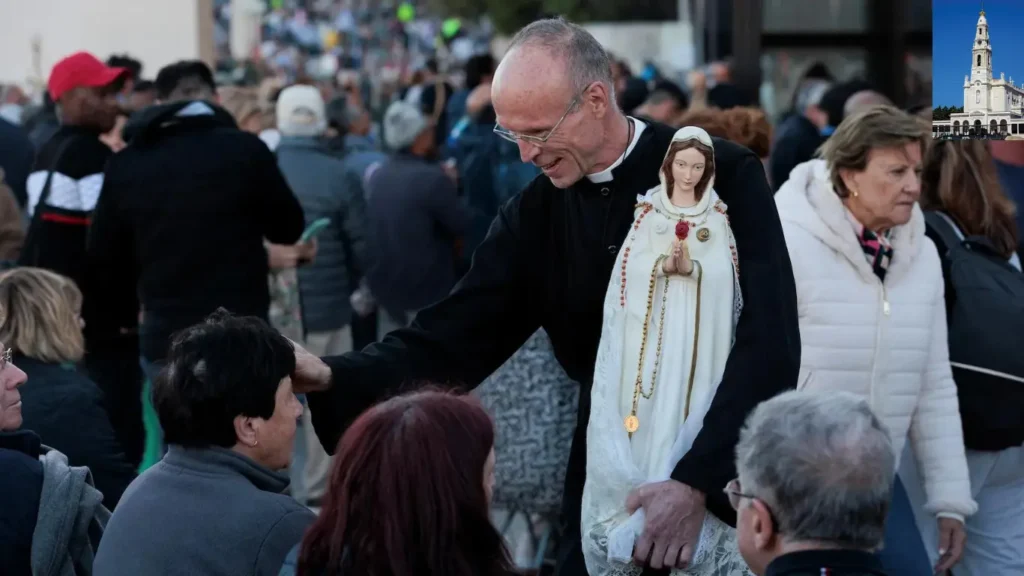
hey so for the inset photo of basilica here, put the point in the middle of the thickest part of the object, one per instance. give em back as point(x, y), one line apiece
point(982, 105)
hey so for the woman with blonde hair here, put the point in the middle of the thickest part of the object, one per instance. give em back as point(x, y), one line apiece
point(973, 225)
point(873, 317)
point(40, 322)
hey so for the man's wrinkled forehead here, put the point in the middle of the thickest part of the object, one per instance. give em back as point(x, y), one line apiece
point(528, 87)
point(533, 64)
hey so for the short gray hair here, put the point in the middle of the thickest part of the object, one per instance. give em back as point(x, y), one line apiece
point(823, 463)
point(585, 59)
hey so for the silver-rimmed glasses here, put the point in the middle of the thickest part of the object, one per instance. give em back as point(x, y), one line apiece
point(515, 138)
point(735, 493)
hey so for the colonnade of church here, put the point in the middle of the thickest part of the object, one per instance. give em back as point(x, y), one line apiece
point(1015, 126)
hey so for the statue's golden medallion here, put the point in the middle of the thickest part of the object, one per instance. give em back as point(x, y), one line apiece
point(703, 234)
point(632, 423)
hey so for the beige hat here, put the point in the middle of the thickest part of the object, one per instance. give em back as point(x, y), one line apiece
point(300, 111)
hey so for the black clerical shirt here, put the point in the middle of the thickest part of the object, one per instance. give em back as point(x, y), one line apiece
point(546, 262)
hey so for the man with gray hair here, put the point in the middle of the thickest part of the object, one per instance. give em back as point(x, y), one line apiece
point(546, 262)
point(414, 218)
point(815, 481)
point(798, 136)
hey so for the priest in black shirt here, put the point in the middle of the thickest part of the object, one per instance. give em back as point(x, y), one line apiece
point(546, 262)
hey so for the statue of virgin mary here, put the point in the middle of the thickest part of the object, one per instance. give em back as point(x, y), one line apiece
point(669, 318)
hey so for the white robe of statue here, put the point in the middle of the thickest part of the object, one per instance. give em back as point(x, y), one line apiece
point(670, 419)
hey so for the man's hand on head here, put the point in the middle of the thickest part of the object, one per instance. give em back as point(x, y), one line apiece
point(311, 373)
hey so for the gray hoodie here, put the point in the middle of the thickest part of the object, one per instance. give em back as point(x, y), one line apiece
point(71, 519)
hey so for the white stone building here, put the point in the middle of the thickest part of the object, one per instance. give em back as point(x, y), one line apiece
point(996, 105)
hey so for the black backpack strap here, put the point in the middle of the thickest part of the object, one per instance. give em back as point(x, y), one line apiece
point(945, 229)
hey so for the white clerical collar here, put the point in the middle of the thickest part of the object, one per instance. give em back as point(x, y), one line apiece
point(606, 174)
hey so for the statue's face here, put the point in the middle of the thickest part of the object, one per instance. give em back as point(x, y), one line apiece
point(687, 168)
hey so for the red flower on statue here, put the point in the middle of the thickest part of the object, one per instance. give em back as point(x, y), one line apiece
point(682, 229)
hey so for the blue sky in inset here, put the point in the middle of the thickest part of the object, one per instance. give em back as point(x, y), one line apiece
point(953, 31)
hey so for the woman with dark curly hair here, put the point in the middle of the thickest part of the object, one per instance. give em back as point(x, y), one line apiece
point(409, 493)
point(214, 505)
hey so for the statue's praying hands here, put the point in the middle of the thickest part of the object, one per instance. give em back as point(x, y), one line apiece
point(678, 261)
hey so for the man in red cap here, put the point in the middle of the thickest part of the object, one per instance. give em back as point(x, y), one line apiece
point(68, 173)
point(62, 191)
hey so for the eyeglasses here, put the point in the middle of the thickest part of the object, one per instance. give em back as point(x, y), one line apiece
point(735, 493)
point(732, 489)
point(515, 138)
point(5, 356)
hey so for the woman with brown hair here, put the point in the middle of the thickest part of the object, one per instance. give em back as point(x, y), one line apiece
point(960, 180)
point(669, 318)
point(743, 125)
point(409, 493)
point(973, 225)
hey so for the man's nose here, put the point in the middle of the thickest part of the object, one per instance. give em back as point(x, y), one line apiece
point(528, 151)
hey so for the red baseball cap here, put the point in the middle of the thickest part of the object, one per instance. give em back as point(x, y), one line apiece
point(81, 69)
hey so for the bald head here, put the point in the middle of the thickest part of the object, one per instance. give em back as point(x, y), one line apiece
point(580, 57)
point(863, 100)
point(552, 95)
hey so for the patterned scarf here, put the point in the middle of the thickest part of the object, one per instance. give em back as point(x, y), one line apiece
point(877, 249)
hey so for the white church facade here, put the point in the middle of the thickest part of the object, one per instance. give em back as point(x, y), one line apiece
point(997, 105)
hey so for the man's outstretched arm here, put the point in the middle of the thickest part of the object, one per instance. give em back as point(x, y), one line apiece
point(457, 342)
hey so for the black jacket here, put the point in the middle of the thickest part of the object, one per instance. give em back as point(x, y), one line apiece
point(16, 156)
point(57, 242)
point(414, 217)
point(181, 222)
point(68, 412)
point(796, 141)
point(546, 263)
point(21, 484)
point(830, 562)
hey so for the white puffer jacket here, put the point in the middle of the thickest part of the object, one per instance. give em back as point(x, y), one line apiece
point(887, 342)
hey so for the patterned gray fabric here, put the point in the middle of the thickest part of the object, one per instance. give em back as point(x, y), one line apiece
point(534, 406)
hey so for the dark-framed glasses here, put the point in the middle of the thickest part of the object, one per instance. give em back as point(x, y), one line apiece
point(515, 138)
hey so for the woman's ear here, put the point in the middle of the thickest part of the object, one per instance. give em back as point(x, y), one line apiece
point(849, 179)
point(245, 430)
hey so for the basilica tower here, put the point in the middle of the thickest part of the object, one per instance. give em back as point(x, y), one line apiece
point(978, 87)
point(981, 54)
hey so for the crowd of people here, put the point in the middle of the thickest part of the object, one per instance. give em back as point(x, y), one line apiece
point(777, 350)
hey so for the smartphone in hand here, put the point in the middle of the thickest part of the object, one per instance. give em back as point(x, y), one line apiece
point(314, 229)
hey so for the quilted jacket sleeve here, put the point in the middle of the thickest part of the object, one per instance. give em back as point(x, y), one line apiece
point(936, 435)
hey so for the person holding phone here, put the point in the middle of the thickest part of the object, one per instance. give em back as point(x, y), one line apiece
point(184, 242)
point(335, 216)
